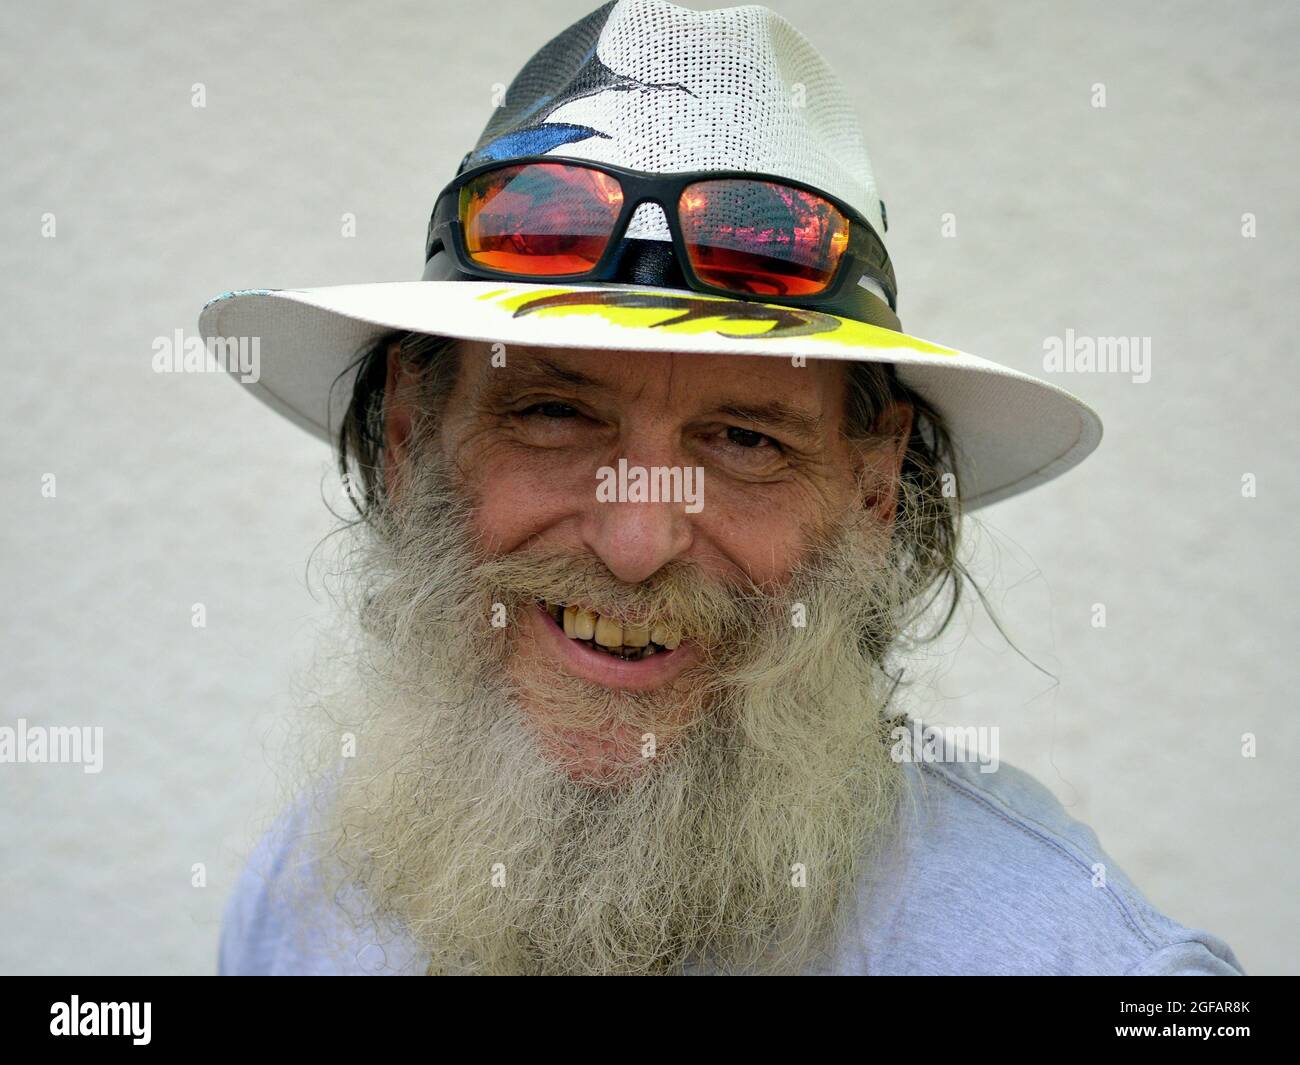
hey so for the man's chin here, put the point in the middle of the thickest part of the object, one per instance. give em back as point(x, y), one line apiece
point(599, 761)
point(606, 755)
point(596, 734)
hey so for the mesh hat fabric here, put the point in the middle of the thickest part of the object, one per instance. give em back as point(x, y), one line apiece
point(656, 87)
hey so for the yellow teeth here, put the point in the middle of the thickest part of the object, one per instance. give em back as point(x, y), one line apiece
point(609, 633)
point(580, 624)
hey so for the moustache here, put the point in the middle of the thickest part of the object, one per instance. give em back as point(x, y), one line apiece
point(681, 595)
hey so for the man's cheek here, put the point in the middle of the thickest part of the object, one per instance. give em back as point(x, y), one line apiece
point(503, 518)
point(513, 503)
point(762, 543)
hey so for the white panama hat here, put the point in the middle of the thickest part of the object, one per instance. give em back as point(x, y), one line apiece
point(656, 88)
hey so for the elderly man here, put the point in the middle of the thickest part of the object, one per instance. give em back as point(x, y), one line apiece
point(650, 486)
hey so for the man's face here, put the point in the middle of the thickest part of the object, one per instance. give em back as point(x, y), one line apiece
point(763, 469)
point(524, 800)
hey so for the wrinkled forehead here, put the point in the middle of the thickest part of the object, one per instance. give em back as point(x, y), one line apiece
point(804, 399)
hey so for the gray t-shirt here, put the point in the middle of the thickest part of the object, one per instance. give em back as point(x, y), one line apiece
point(989, 875)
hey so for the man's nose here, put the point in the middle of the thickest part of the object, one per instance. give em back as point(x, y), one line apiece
point(636, 539)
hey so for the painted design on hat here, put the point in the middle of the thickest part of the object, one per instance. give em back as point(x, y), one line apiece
point(538, 136)
point(690, 313)
point(535, 140)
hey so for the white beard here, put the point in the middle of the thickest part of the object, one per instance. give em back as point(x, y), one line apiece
point(735, 847)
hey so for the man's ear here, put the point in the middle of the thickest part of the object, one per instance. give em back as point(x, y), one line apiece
point(401, 391)
point(882, 462)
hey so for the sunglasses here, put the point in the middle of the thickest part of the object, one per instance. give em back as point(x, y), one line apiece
point(736, 233)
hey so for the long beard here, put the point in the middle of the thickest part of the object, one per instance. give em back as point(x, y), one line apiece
point(731, 837)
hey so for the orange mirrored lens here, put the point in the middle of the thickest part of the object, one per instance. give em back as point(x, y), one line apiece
point(761, 238)
point(546, 219)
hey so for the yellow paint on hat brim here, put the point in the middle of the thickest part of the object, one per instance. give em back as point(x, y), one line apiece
point(669, 319)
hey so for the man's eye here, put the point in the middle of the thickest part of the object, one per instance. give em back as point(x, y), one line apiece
point(551, 410)
point(748, 438)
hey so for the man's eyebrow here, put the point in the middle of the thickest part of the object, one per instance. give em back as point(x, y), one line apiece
point(541, 371)
point(776, 415)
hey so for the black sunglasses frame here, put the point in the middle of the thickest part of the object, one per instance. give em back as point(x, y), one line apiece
point(864, 256)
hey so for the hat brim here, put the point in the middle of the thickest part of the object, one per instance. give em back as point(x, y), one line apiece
point(1012, 431)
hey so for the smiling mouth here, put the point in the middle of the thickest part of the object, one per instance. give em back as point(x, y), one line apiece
point(626, 642)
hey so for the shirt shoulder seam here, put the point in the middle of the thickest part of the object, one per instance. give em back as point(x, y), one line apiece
point(1133, 920)
point(1143, 962)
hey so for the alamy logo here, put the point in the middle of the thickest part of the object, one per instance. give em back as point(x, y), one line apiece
point(656, 484)
point(240, 356)
point(946, 743)
point(1085, 354)
point(82, 746)
point(102, 1018)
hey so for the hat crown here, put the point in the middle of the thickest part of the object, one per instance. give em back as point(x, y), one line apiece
point(651, 86)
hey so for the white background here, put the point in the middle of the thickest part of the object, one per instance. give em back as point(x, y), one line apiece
point(176, 490)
